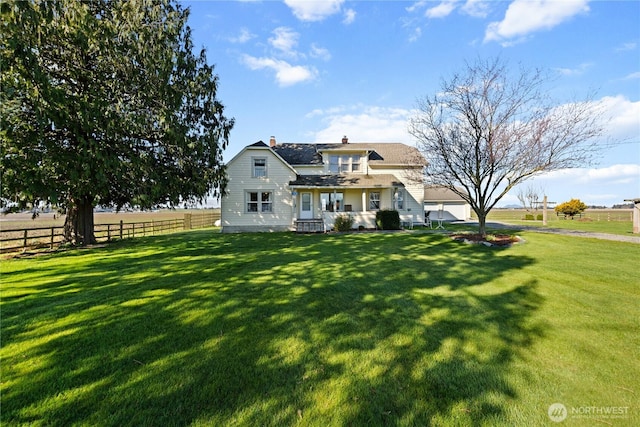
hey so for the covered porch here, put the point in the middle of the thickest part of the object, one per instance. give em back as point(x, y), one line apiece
point(319, 199)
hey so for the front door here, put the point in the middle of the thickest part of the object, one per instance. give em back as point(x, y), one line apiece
point(306, 206)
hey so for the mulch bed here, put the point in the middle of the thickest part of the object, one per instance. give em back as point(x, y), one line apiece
point(491, 240)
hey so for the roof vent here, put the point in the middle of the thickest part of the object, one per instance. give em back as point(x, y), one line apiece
point(345, 140)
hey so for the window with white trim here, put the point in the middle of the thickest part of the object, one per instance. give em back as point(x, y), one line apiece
point(399, 199)
point(374, 200)
point(344, 163)
point(259, 201)
point(332, 202)
point(259, 167)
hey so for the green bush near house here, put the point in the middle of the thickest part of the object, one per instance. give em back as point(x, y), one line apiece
point(343, 223)
point(388, 219)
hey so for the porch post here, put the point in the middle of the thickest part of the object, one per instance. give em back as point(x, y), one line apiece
point(335, 202)
point(294, 204)
point(364, 200)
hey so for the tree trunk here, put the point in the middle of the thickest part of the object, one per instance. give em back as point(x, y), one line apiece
point(78, 226)
point(482, 224)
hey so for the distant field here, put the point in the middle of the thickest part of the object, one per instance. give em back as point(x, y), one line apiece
point(23, 220)
point(590, 214)
point(614, 221)
point(21, 231)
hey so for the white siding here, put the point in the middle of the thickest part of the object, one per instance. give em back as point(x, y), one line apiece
point(451, 211)
point(414, 191)
point(233, 206)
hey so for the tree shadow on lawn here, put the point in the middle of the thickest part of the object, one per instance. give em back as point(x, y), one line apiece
point(272, 329)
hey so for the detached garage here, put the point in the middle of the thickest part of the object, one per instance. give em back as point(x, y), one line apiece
point(443, 201)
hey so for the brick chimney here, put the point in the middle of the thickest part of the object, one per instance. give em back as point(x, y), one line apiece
point(272, 141)
point(345, 140)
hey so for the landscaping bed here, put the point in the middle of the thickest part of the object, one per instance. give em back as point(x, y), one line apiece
point(489, 240)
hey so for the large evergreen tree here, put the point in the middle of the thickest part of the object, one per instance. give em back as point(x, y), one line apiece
point(104, 102)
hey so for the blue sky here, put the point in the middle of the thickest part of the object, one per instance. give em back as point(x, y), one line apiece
point(313, 71)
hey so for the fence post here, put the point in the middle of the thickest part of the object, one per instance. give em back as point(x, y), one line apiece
point(187, 221)
point(52, 232)
point(24, 243)
point(121, 229)
point(108, 232)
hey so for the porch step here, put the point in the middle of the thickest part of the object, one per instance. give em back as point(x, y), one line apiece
point(309, 226)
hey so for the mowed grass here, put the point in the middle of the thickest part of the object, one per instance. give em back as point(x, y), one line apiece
point(404, 329)
point(611, 221)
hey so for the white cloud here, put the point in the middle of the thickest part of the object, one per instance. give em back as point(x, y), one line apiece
point(415, 6)
point(442, 10)
point(633, 76)
point(625, 117)
point(362, 124)
point(285, 40)
point(314, 10)
point(476, 8)
point(319, 52)
point(619, 174)
point(349, 16)
point(415, 35)
point(286, 74)
point(574, 71)
point(524, 17)
point(244, 36)
point(607, 186)
point(626, 47)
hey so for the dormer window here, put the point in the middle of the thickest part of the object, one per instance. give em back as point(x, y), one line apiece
point(259, 169)
point(344, 163)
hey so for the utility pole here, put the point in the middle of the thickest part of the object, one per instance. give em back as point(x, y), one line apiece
point(545, 204)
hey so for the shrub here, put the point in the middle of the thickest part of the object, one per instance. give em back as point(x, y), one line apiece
point(388, 219)
point(528, 217)
point(343, 223)
point(539, 217)
point(571, 208)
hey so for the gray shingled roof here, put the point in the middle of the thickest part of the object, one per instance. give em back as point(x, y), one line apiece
point(347, 180)
point(440, 194)
point(381, 153)
point(299, 154)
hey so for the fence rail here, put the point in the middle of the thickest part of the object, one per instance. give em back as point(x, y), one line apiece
point(13, 240)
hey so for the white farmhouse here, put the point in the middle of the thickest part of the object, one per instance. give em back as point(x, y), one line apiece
point(303, 187)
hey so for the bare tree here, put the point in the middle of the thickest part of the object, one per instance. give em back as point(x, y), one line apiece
point(530, 197)
point(490, 128)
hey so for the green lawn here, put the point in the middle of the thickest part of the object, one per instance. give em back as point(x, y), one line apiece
point(612, 221)
point(279, 329)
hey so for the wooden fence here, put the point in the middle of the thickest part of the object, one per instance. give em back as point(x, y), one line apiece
point(22, 239)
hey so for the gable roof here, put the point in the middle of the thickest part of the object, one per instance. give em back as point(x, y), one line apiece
point(380, 153)
point(261, 147)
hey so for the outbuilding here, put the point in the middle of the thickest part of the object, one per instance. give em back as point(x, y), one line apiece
point(444, 203)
